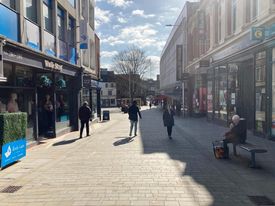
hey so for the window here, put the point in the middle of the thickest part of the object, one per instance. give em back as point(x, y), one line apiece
point(8, 73)
point(24, 77)
point(61, 23)
point(248, 11)
point(260, 81)
point(234, 15)
point(106, 85)
point(72, 2)
point(273, 93)
point(31, 9)
point(71, 30)
point(9, 3)
point(255, 9)
point(47, 14)
point(91, 14)
point(110, 93)
point(219, 22)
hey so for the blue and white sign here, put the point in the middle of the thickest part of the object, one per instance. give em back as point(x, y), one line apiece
point(13, 151)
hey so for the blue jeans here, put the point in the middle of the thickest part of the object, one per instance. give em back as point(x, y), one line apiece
point(133, 124)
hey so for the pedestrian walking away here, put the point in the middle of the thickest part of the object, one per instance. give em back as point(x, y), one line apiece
point(168, 120)
point(84, 114)
point(133, 117)
point(150, 105)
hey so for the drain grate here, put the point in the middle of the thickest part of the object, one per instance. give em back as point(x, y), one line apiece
point(261, 200)
point(11, 189)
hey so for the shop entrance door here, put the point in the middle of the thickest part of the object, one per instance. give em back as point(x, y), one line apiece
point(245, 105)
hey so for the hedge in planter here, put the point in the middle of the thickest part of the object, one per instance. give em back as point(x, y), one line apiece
point(12, 127)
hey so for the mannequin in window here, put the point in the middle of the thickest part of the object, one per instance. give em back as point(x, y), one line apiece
point(48, 106)
point(12, 104)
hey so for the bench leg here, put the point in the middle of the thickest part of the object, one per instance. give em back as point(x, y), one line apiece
point(253, 161)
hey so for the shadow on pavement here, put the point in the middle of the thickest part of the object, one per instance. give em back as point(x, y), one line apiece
point(123, 141)
point(64, 142)
point(213, 182)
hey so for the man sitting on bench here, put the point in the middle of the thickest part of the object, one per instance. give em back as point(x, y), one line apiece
point(235, 135)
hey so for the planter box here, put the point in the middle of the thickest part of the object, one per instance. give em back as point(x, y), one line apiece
point(13, 128)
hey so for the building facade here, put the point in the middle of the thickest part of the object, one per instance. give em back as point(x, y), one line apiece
point(174, 57)
point(234, 62)
point(41, 64)
point(108, 89)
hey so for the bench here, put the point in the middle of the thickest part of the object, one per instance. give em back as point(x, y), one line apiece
point(249, 148)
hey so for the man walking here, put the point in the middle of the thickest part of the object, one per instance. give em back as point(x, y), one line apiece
point(84, 114)
point(133, 117)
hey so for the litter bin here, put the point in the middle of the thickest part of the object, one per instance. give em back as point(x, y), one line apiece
point(243, 130)
point(106, 115)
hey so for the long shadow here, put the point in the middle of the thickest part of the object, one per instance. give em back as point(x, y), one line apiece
point(64, 142)
point(220, 180)
point(123, 141)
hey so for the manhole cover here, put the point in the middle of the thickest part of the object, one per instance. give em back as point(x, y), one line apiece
point(11, 189)
point(261, 200)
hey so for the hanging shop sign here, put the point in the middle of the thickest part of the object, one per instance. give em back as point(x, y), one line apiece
point(262, 33)
point(53, 65)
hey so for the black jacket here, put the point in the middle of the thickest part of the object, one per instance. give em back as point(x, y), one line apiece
point(84, 113)
point(168, 118)
point(133, 113)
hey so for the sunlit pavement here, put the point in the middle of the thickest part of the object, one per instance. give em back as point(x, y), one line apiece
point(109, 168)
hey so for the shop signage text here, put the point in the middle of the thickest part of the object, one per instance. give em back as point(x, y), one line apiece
point(53, 65)
point(87, 82)
point(13, 151)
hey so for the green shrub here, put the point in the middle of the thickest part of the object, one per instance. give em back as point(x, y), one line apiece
point(12, 127)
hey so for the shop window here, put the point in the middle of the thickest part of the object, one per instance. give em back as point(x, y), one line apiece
point(61, 23)
point(94, 103)
point(223, 93)
point(232, 90)
point(30, 7)
point(8, 73)
point(47, 14)
point(210, 93)
point(24, 77)
point(260, 87)
point(8, 3)
point(19, 100)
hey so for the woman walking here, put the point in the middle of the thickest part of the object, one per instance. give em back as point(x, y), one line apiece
point(168, 120)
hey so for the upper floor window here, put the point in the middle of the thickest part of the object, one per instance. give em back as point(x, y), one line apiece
point(255, 9)
point(106, 85)
point(110, 93)
point(9, 3)
point(71, 31)
point(248, 11)
point(91, 15)
point(61, 23)
point(30, 7)
point(47, 14)
point(72, 2)
point(234, 15)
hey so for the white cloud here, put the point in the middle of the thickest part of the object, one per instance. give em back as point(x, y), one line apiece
point(158, 23)
point(115, 27)
point(112, 40)
point(108, 54)
point(119, 3)
point(141, 13)
point(122, 20)
point(102, 16)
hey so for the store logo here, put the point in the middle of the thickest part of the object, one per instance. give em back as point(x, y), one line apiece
point(53, 65)
point(8, 153)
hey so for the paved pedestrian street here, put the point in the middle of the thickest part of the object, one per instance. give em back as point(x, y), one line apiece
point(109, 168)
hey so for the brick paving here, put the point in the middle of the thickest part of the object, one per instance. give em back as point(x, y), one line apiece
point(108, 168)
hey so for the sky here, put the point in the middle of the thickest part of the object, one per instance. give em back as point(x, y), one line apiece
point(122, 23)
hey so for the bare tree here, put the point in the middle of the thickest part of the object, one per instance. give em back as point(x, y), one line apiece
point(134, 64)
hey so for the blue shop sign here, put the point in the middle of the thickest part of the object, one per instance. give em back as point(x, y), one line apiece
point(13, 151)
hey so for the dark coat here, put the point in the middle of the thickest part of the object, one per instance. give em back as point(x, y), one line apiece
point(168, 118)
point(236, 134)
point(133, 113)
point(84, 113)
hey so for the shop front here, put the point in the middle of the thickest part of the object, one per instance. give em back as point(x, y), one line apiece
point(43, 88)
point(242, 82)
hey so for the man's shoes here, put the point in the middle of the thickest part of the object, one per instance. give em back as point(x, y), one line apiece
point(135, 135)
point(80, 137)
point(88, 135)
point(130, 135)
point(170, 137)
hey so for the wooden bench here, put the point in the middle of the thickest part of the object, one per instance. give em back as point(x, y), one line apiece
point(249, 148)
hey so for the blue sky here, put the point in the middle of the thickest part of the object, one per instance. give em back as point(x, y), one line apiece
point(121, 23)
